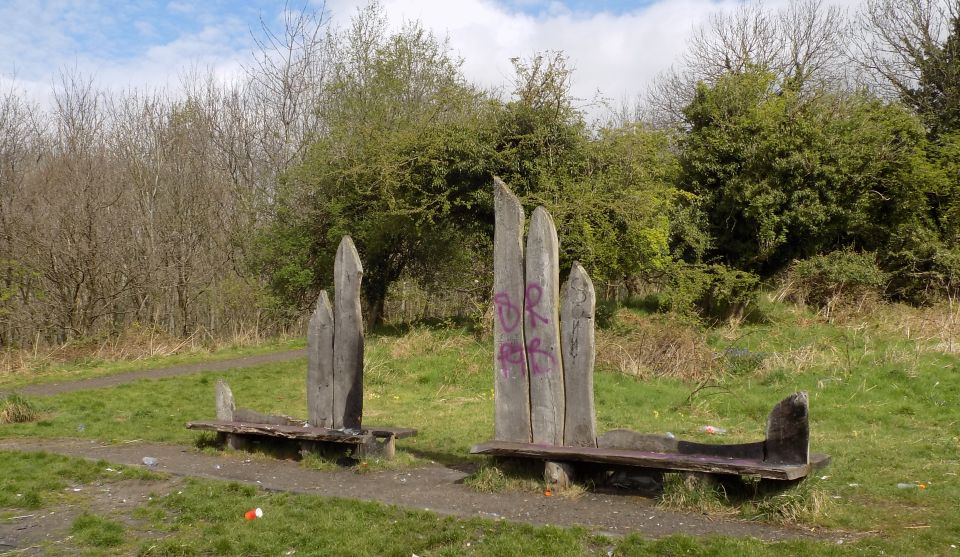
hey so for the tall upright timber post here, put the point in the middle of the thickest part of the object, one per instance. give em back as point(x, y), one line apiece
point(320, 364)
point(511, 389)
point(543, 356)
point(335, 348)
point(577, 310)
point(347, 338)
point(541, 327)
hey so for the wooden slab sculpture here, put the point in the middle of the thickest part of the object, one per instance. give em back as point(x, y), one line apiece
point(511, 391)
point(334, 382)
point(579, 352)
point(543, 364)
point(544, 353)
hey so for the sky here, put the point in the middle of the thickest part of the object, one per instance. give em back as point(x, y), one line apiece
point(616, 46)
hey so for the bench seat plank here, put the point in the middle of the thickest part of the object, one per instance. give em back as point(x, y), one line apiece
point(302, 431)
point(656, 460)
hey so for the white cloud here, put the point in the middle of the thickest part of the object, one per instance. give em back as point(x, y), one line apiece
point(615, 54)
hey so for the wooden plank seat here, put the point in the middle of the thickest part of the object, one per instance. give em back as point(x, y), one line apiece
point(712, 464)
point(368, 441)
point(782, 455)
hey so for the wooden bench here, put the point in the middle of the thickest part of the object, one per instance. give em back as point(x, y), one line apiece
point(782, 455)
point(660, 461)
point(369, 441)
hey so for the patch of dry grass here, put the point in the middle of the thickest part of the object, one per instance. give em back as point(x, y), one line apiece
point(14, 409)
point(135, 344)
point(421, 340)
point(656, 346)
point(935, 328)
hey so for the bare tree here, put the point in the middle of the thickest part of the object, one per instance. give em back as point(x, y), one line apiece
point(902, 47)
point(20, 134)
point(803, 43)
point(285, 85)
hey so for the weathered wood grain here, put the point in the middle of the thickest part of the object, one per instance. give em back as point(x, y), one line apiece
point(577, 308)
point(632, 440)
point(636, 441)
point(655, 460)
point(511, 386)
point(320, 364)
point(347, 338)
point(225, 403)
point(253, 417)
point(542, 330)
point(304, 433)
point(788, 431)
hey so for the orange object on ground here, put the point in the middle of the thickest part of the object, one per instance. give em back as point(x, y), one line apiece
point(253, 513)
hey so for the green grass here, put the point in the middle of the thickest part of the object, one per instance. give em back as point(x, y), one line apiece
point(96, 531)
point(36, 480)
point(203, 517)
point(883, 405)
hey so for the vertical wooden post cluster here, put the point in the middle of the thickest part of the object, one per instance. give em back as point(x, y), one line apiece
point(544, 346)
point(335, 348)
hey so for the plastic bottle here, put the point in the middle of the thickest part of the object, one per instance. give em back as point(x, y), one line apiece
point(713, 430)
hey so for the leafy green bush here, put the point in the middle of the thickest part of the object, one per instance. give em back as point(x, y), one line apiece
point(714, 292)
point(839, 278)
point(923, 268)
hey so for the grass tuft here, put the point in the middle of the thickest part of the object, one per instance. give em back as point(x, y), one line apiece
point(802, 503)
point(15, 409)
point(97, 531)
point(768, 501)
point(492, 479)
point(697, 493)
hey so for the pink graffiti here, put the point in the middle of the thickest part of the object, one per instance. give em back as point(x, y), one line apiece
point(510, 357)
point(532, 295)
point(534, 350)
point(508, 314)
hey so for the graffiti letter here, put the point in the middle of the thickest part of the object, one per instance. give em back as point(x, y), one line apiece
point(532, 295)
point(507, 313)
point(510, 357)
point(533, 349)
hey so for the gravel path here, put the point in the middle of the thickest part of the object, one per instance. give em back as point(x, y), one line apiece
point(435, 488)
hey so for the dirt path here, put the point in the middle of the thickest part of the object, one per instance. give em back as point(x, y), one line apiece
point(435, 488)
point(49, 389)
